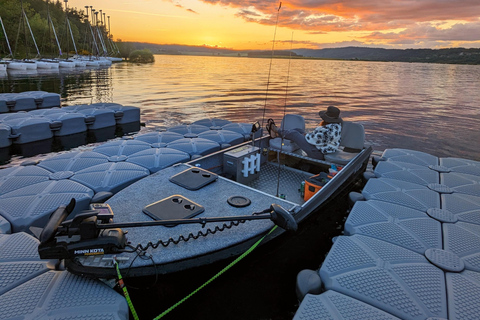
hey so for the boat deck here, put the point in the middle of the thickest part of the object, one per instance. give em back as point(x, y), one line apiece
point(412, 249)
point(129, 203)
point(289, 181)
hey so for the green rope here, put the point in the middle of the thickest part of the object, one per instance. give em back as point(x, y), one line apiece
point(129, 301)
point(125, 291)
point(216, 276)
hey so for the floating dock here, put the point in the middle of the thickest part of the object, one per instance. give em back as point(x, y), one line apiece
point(411, 248)
point(30, 193)
point(35, 289)
point(42, 124)
point(28, 100)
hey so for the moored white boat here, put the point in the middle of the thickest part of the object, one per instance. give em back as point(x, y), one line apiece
point(103, 62)
point(66, 64)
point(54, 64)
point(30, 64)
point(80, 63)
point(16, 65)
point(92, 63)
point(3, 67)
point(115, 59)
point(106, 61)
point(43, 64)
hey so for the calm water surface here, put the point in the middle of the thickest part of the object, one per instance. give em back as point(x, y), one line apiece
point(428, 107)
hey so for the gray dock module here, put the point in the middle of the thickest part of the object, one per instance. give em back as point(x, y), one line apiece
point(111, 176)
point(413, 247)
point(122, 148)
point(212, 123)
point(332, 305)
point(225, 138)
point(195, 146)
point(396, 280)
point(155, 159)
point(399, 225)
point(33, 204)
point(159, 139)
point(31, 288)
point(244, 129)
point(189, 129)
point(73, 161)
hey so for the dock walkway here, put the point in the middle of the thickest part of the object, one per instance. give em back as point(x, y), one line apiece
point(411, 249)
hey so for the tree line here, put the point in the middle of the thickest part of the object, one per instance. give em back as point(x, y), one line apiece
point(37, 12)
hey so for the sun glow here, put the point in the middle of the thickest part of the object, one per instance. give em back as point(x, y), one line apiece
point(230, 24)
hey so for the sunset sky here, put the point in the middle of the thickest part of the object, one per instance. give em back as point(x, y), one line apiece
point(249, 24)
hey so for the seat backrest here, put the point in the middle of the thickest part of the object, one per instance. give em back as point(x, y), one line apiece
point(292, 121)
point(353, 136)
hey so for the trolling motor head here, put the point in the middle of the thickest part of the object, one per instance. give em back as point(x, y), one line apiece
point(85, 236)
point(80, 236)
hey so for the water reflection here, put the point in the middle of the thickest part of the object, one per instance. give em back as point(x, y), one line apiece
point(16, 153)
point(429, 107)
point(76, 86)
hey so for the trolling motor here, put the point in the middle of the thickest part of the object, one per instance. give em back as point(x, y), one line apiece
point(89, 232)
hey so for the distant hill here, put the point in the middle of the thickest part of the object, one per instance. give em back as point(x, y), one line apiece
point(183, 49)
point(450, 55)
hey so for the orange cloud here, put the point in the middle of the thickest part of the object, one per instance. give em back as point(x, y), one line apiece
point(319, 16)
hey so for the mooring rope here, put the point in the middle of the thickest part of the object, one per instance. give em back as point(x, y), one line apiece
point(125, 291)
point(164, 313)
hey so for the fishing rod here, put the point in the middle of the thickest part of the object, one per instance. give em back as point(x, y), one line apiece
point(284, 112)
point(84, 235)
point(271, 60)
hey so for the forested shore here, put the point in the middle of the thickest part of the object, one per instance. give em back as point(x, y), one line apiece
point(37, 13)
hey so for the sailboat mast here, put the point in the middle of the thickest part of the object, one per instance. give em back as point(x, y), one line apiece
point(21, 23)
point(110, 37)
point(49, 19)
point(31, 33)
point(98, 33)
point(6, 37)
point(69, 26)
point(91, 31)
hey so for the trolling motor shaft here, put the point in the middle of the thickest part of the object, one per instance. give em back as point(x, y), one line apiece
point(84, 235)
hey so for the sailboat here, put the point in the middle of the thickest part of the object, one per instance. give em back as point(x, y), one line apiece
point(29, 64)
point(62, 63)
point(113, 46)
point(12, 64)
point(41, 64)
point(68, 28)
point(91, 61)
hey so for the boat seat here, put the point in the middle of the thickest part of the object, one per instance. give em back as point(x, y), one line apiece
point(351, 143)
point(290, 121)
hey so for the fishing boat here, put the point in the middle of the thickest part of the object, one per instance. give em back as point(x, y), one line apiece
point(211, 208)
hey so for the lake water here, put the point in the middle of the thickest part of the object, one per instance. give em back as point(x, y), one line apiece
point(427, 107)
